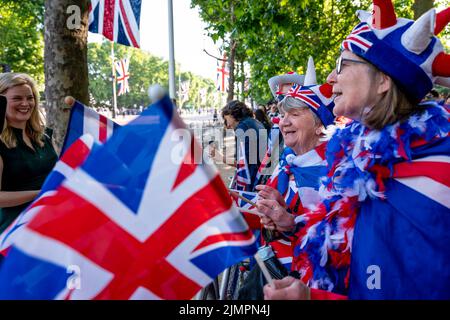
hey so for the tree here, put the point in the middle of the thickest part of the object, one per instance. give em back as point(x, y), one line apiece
point(422, 6)
point(65, 60)
point(22, 37)
point(276, 36)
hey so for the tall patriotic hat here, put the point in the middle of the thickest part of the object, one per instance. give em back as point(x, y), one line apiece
point(276, 82)
point(406, 50)
point(319, 98)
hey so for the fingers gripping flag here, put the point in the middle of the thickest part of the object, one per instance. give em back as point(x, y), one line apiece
point(73, 158)
point(132, 223)
point(85, 120)
point(117, 20)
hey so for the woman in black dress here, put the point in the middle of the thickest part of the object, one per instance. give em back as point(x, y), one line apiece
point(26, 151)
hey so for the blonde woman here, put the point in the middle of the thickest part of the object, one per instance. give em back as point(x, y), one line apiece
point(26, 151)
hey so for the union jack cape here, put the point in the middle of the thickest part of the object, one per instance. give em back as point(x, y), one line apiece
point(382, 230)
point(117, 20)
point(297, 178)
point(131, 223)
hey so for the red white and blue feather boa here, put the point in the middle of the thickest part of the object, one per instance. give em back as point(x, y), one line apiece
point(359, 159)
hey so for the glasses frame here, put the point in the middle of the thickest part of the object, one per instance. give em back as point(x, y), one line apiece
point(341, 59)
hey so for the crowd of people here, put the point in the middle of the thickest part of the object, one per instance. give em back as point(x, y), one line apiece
point(358, 205)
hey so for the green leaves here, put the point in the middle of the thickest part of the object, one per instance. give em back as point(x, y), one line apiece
point(277, 36)
point(145, 69)
point(21, 36)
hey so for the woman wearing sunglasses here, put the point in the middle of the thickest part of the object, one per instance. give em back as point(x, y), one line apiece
point(390, 167)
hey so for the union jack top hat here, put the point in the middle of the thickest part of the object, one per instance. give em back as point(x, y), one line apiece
point(406, 50)
point(319, 98)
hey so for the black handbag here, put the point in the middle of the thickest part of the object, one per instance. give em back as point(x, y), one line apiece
point(255, 281)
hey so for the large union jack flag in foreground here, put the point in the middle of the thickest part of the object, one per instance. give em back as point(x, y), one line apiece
point(85, 120)
point(117, 20)
point(131, 223)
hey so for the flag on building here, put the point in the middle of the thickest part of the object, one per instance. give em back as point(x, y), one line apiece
point(223, 74)
point(74, 157)
point(134, 222)
point(117, 20)
point(86, 120)
point(123, 75)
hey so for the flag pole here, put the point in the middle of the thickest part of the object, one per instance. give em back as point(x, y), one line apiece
point(171, 52)
point(114, 115)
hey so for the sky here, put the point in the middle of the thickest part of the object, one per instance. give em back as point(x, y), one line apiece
point(189, 36)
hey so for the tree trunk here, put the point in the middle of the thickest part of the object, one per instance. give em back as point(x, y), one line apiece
point(66, 73)
point(422, 6)
point(231, 59)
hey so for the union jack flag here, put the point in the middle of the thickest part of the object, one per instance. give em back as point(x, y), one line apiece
point(356, 38)
point(75, 156)
point(117, 20)
point(121, 67)
point(85, 120)
point(131, 223)
point(243, 180)
point(222, 74)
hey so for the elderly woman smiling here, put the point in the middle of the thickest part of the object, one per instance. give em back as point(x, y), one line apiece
point(305, 111)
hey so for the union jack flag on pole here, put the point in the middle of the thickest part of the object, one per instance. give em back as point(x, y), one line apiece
point(121, 67)
point(117, 20)
point(131, 223)
point(222, 74)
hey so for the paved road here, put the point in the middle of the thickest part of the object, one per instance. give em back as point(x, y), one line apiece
point(205, 130)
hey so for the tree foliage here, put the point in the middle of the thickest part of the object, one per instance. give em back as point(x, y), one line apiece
point(277, 36)
point(21, 36)
point(145, 69)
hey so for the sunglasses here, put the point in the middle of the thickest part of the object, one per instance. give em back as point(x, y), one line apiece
point(341, 59)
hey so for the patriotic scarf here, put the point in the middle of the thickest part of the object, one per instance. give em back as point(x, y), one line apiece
point(359, 159)
point(305, 176)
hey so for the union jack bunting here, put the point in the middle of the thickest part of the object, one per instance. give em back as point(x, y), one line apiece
point(117, 20)
point(131, 223)
point(355, 38)
point(75, 156)
point(121, 67)
point(222, 74)
point(243, 180)
point(85, 120)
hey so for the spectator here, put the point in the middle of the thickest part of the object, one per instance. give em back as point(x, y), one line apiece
point(26, 151)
